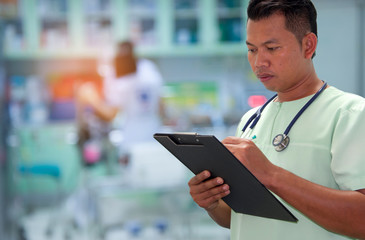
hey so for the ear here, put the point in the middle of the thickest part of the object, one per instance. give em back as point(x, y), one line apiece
point(309, 45)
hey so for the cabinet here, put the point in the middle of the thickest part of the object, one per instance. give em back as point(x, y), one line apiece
point(85, 28)
point(12, 27)
point(52, 144)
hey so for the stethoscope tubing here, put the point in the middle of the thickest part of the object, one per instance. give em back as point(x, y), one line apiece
point(256, 116)
point(304, 108)
point(280, 146)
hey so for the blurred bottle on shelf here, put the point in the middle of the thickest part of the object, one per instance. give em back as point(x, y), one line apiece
point(28, 100)
point(36, 100)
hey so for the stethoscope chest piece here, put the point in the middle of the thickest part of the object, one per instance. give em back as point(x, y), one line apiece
point(280, 142)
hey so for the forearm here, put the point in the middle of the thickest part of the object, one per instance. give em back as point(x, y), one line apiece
point(338, 211)
point(221, 214)
point(104, 111)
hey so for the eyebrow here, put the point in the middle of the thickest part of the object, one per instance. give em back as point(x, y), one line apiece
point(273, 40)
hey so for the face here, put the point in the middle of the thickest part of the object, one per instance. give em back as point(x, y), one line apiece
point(275, 55)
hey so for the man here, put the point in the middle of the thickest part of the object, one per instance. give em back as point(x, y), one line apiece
point(320, 176)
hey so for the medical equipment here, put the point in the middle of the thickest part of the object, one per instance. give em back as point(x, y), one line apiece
point(280, 141)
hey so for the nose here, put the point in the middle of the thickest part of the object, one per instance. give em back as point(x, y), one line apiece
point(261, 59)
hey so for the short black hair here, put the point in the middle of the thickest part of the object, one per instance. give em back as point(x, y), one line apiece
point(300, 15)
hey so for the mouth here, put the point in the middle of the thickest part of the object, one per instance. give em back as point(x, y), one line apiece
point(264, 77)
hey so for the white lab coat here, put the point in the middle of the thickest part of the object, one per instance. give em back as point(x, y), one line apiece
point(137, 95)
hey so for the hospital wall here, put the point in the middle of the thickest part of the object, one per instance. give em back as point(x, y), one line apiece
point(340, 54)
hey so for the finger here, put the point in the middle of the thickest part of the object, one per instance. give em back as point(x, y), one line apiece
point(212, 200)
point(234, 147)
point(239, 145)
point(206, 185)
point(233, 140)
point(216, 191)
point(197, 179)
point(206, 192)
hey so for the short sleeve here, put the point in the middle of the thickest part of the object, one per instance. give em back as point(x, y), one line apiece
point(348, 148)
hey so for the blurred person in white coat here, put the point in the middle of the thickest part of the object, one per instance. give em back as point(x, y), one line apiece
point(132, 97)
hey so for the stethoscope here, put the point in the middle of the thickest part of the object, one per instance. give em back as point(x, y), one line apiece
point(280, 141)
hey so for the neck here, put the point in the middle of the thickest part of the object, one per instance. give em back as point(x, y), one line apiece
point(300, 90)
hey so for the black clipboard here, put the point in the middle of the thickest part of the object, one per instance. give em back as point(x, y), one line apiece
point(205, 152)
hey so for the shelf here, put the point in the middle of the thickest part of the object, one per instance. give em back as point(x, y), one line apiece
point(229, 12)
point(186, 13)
point(231, 49)
point(198, 50)
point(159, 28)
point(142, 13)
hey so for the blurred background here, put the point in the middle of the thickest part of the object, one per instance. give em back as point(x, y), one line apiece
point(53, 188)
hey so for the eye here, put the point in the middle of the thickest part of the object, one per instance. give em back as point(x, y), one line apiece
point(273, 48)
point(252, 50)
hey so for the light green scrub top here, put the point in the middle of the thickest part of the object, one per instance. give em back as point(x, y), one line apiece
point(326, 147)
